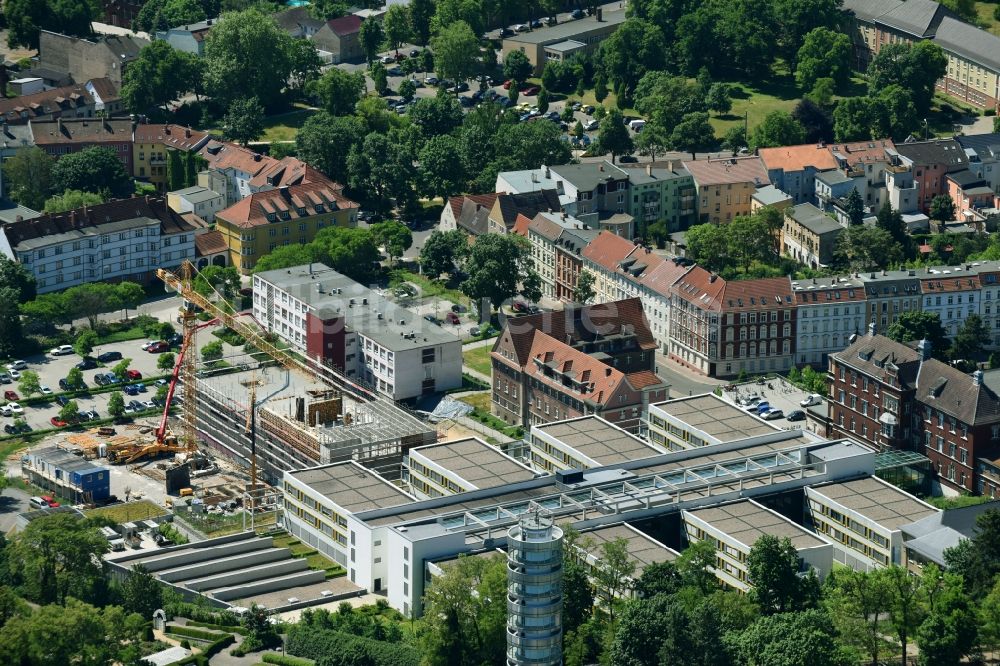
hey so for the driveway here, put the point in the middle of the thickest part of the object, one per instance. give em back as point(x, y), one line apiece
point(12, 502)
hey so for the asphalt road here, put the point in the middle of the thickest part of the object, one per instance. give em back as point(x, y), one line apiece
point(12, 502)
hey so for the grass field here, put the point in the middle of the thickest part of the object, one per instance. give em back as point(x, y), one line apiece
point(285, 126)
point(480, 401)
point(986, 19)
point(478, 359)
point(129, 512)
point(314, 559)
point(431, 287)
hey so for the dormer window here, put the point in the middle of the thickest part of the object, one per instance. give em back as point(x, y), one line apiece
point(320, 208)
point(301, 212)
point(270, 217)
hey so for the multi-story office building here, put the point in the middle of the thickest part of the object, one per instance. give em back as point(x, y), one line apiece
point(120, 240)
point(585, 442)
point(705, 420)
point(734, 529)
point(828, 312)
point(459, 466)
point(330, 318)
point(863, 518)
point(555, 42)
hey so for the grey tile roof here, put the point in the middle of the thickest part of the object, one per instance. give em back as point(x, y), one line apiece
point(813, 219)
point(870, 354)
point(969, 42)
point(869, 10)
point(916, 17)
point(937, 151)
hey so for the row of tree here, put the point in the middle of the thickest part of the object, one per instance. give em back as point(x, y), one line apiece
point(91, 175)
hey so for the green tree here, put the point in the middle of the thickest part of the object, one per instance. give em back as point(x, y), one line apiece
point(584, 290)
point(825, 53)
point(855, 207)
point(892, 221)
point(29, 176)
point(797, 19)
point(244, 121)
point(708, 245)
point(29, 383)
point(286, 256)
point(383, 168)
point(750, 240)
point(643, 629)
point(159, 75)
point(635, 48)
point(325, 10)
point(613, 136)
point(235, 71)
point(857, 602)
point(969, 340)
point(212, 351)
point(499, 267)
point(59, 556)
point(212, 280)
point(339, 91)
point(436, 115)
point(76, 633)
point(442, 251)
point(905, 603)
point(116, 405)
point(804, 638)
point(516, 66)
point(70, 412)
point(652, 141)
point(325, 141)
point(11, 332)
point(351, 252)
point(380, 80)
point(718, 98)
point(371, 37)
point(396, 24)
point(440, 173)
point(121, 368)
point(394, 236)
point(864, 248)
point(977, 560)
point(71, 200)
point(693, 133)
point(85, 342)
point(777, 129)
point(16, 277)
point(421, 13)
point(916, 68)
point(456, 52)
point(913, 326)
point(166, 362)
point(658, 578)
point(613, 574)
point(773, 570)
point(25, 18)
point(942, 208)
point(577, 593)
point(74, 379)
point(735, 139)
point(93, 169)
point(129, 295)
point(407, 89)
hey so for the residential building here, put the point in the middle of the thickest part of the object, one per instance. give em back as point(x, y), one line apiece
point(734, 529)
point(127, 239)
point(927, 539)
point(792, 169)
point(188, 38)
point(151, 148)
point(61, 137)
point(863, 518)
point(66, 476)
point(569, 248)
point(862, 29)
point(695, 309)
point(330, 318)
point(507, 206)
point(264, 220)
point(809, 235)
point(835, 185)
point(556, 245)
point(468, 212)
point(602, 257)
point(769, 195)
point(661, 194)
point(105, 56)
point(201, 201)
point(542, 232)
point(890, 294)
point(705, 420)
point(340, 37)
point(210, 248)
point(538, 44)
point(460, 466)
point(76, 101)
point(585, 442)
point(828, 312)
point(973, 197)
point(725, 186)
point(866, 162)
point(983, 151)
point(298, 21)
point(654, 291)
point(597, 359)
point(239, 172)
point(598, 195)
point(953, 294)
point(930, 162)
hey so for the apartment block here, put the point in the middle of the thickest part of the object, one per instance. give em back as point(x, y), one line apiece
point(725, 186)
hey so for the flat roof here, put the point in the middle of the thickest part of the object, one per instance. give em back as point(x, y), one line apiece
point(568, 29)
point(567, 45)
point(599, 440)
point(716, 417)
point(877, 500)
point(352, 487)
point(746, 521)
point(477, 462)
point(642, 548)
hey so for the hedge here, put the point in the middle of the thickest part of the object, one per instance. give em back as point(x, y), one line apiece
point(191, 632)
point(236, 629)
point(336, 648)
point(285, 660)
point(209, 652)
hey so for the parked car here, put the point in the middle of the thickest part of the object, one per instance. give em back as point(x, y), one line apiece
point(92, 415)
point(44, 390)
point(161, 382)
point(101, 379)
point(15, 375)
point(62, 350)
point(158, 347)
point(521, 27)
point(459, 87)
point(762, 407)
point(452, 318)
point(628, 158)
point(459, 308)
point(64, 385)
point(507, 84)
point(62, 400)
point(175, 340)
point(388, 59)
point(414, 53)
point(531, 90)
point(147, 344)
point(87, 364)
point(431, 80)
point(17, 365)
point(506, 32)
point(772, 414)
point(394, 71)
point(49, 501)
point(5, 378)
point(10, 395)
point(131, 390)
point(751, 401)
point(432, 319)
point(57, 422)
point(535, 24)
point(811, 399)
point(577, 14)
point(12, 429)
point(591, 125)
point(133, 374)
point(796, 415)
point(534, 309)
point(577, 106)
point(109, 356)
point(589, 109)
point(148, 404)
point(15, 408)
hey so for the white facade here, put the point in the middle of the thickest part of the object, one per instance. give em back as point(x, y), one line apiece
point(201, 201)
point(950, 293)
point(828, 315)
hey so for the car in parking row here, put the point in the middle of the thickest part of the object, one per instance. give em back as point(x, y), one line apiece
point(62, 350)
point(109, 356)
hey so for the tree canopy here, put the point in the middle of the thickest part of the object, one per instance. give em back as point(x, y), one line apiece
point(93, 169)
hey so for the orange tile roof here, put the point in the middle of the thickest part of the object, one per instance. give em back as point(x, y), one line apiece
point(597, 382)
point(252, 211)
point(862, 151)
point(608, 249)
point(730, 170)
point(701, 288)
point(521, 224)
point(797, 158)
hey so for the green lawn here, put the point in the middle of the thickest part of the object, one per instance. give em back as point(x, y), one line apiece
point(478, 359)
point(479, 401)
point(130, 512)
point(986, 19)
point(285, 126)
point(430, 287)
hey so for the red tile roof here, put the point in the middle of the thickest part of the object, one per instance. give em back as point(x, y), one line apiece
point(607, 250)
point(174, 136)
point(210, 242)
point(521, 225)
point(661, 277)
point(642, 379)
point(54, 132)
point(45, 103)
point(701, 288)
point(481, 200)
point(252, 211)
point(862, 151)
point(345, 25)
point(757, 294)
point(797, 158)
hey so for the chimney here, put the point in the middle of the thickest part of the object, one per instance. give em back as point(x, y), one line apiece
point(548, 174)
point(649, 170)
point(713, 277)
point(166, 129)
point(59, 124)
point(871, 329)
point(19, 218)
point(924, 349)
point(977, 377)
point(187, 132)
point(600, 167)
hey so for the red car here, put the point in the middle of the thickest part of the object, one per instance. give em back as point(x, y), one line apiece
point(158, 347)
point(49, 501)
point(518, 306)
point(531, 90)
point(507, 84)
point(57, 422)
point(452, 318)
point(10, 395)
point(133, 374)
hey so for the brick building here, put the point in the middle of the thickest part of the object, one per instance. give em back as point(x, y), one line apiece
point(597, 359)
point(61, 137)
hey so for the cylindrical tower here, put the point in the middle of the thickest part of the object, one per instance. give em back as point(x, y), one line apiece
point(534, 592)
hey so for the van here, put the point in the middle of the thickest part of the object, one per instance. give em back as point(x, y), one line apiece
point(37, 503)
point(637, 125)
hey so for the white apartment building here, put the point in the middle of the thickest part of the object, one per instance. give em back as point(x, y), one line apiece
point(951, 293)
point(863, 519)
point(329, 317)
point(734, 529)
point(111, 242)
point(830, 311)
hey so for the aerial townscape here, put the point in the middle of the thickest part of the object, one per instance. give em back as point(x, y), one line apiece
point(500, 332)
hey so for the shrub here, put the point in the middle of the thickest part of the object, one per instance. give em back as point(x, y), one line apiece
point(285, 660)
point(336, 648)
point(192, 632)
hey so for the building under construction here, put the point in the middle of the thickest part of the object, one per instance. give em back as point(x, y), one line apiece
point(301, 420)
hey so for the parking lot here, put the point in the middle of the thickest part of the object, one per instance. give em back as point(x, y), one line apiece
point(778, 393)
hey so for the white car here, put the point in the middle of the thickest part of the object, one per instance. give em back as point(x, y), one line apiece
point(45, 390)
point(520, 27)
point(388, 60)
point(14, 374)
point(148, 404)
point(17, 365)
point(812, 399)
point(772, 414)
point(591, 125)
point(62, 350)
point(148, 343)
point(15, 408)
